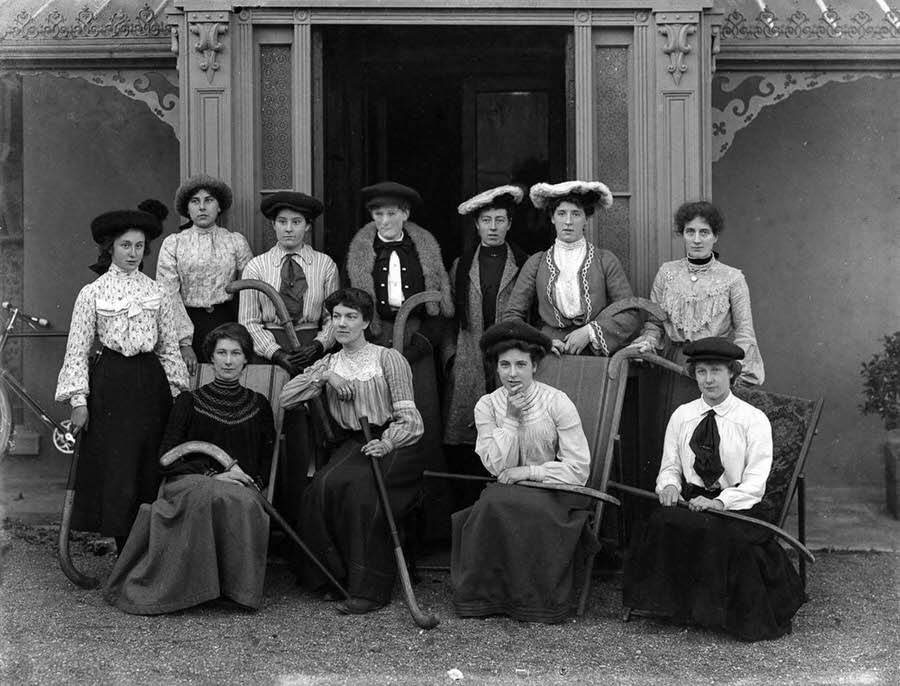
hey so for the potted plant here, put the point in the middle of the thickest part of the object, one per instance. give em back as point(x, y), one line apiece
point(881, 392)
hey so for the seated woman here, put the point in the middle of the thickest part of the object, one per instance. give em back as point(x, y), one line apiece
point(688, 566)
point(341, 516)
point(206, 535)
point(514, 551)
point(573, 281)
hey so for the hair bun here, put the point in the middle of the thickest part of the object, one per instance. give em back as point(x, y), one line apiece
point(154, 207)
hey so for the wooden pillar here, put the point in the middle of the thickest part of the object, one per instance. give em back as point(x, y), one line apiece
point(584, 105)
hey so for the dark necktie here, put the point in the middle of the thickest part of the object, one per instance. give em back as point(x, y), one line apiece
point(293, 286)
point(705, 444)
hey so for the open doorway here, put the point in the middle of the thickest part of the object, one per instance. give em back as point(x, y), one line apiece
point(450, 111)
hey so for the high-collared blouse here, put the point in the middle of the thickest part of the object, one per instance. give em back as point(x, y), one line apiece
point(569, 257)
point(703, 301)
point(548, 437)
point(745, 448)
point(198, 263)
point(382, 391)
point(130, 313)
point(256, 310)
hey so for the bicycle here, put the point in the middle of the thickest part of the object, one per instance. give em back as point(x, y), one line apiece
point(63, 440)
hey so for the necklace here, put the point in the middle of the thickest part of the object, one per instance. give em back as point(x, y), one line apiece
point(695, 269)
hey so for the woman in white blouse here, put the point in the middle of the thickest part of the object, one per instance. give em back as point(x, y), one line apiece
point(574, 281)
point(121, 402)
point(200, 260)
point(687, 566)
point(513, 549)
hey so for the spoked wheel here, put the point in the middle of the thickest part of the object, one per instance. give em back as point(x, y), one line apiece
point(5, 419)
point(64, 442)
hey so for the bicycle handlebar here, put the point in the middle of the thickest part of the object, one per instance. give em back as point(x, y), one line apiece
point(40, 321)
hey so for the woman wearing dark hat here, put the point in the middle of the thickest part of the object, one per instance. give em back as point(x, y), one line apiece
point(690, 567)
point(513, 549)
point(573, 281)
point(342, 517)
point(121, 403)
point(304, 277)
point(481, 280)
point(199, 261)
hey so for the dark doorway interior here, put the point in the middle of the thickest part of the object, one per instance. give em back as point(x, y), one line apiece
point(447, 110)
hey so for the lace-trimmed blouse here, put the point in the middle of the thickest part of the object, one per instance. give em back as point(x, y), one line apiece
point(569, 257)
point(703, 301)
point(130, 313)
point(382, 390)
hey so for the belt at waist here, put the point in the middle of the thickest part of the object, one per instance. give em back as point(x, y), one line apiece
point(211, 308)
point(298, 326)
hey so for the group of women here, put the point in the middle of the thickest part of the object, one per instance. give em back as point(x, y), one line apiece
point(203, 533)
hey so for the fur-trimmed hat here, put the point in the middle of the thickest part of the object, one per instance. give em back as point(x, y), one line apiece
point(390, 191)
point(514, 330)
point(220, 190)
point(713, 349)
point(504, 196)
point(591, 193)
point(306, 205)
point(148, 218)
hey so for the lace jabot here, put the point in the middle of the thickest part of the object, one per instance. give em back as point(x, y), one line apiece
point(361, 365)
point(695, 295)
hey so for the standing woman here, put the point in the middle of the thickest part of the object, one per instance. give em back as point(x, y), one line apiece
point(122, 401)
point(341, 515)
point(199, 261)
point(701, 296)
point(573, 281)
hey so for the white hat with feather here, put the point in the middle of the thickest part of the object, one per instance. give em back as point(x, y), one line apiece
point(591, 193)
point(490, 197)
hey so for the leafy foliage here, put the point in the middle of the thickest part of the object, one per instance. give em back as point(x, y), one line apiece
point(881, 383)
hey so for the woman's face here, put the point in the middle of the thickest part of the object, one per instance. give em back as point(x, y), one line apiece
point(492, 225)
point(699, 238)
point(569, 221)
point(128, 250)
point(516, 370)
point(714, 381)
point(389, 221)
point(290, 228)
point(228, 359)
point(349, 326)
point(204, 209)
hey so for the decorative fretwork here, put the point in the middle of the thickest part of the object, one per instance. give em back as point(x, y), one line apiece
point(86, 24)
point(798, 26)
point(275, 116)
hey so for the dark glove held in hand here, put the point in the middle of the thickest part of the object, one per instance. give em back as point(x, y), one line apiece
point(306, 355)
point(283, 360)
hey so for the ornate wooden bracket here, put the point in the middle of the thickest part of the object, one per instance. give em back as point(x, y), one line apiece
point(208, 47)
point(677, 47)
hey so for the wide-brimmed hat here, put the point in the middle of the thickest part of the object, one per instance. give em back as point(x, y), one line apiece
point(306, 205)
point(514, 330)
point(713, 349)
point(390, 191)
point(501, 195)
point(147, 218)
point(215, 187)
point(590, 192)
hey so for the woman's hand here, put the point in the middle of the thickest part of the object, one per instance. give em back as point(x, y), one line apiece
point(341, 386)
point(237, 475)
point(557, 347)
point(190, 358)
point(642, 346)
point(515, 403)
point(700, 503)
point(511, 475)
point(669, 496)
point(578, 340)
point(79, 419)
point(375, 448)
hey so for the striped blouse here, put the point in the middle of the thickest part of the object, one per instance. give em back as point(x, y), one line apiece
point(256, 310)
point(382, 391)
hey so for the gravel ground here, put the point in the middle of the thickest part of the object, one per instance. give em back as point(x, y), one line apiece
point(55, 633)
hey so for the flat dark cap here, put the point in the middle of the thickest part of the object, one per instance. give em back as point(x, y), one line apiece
point(513, 329)
point(306, 205)
point(220, 190)
point(713, 349)
point(390, 190)
point(110, 224)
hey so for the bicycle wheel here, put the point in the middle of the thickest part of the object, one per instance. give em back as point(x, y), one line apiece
point(5, 419)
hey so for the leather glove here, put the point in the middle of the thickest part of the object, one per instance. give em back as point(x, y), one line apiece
point(306, 355)
point(283, 360)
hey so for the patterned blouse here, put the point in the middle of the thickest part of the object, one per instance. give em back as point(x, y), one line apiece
point(548, 438)
point(703, 301)
point(382, 390)
point(131, 314)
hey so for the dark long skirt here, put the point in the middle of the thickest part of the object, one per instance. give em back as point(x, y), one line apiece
point(201, 539)
point(205, 321)
point(118, 467)
point(696, 567)
point(520, 552)
point(343, 521)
